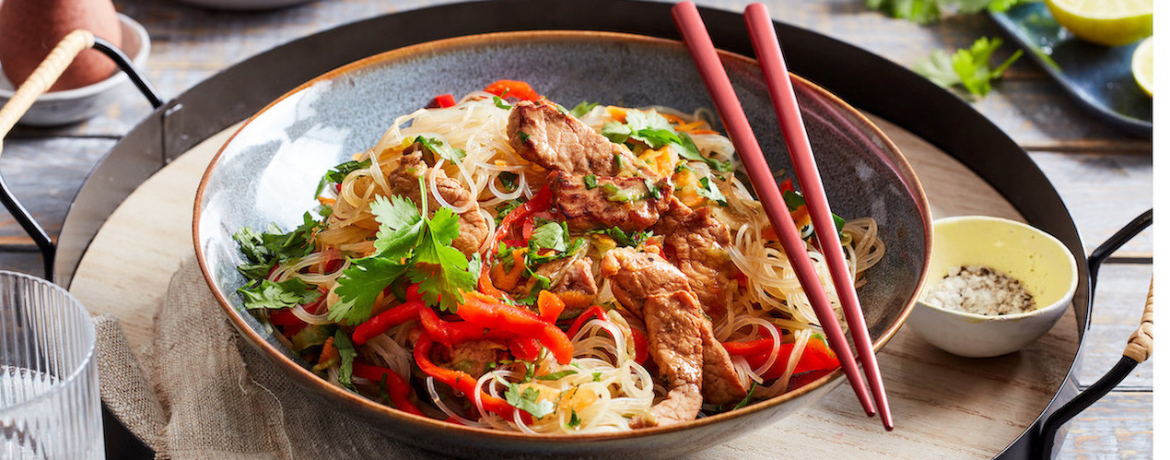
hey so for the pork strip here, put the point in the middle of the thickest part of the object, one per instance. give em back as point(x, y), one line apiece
point(624, 202)
point(698, 246)
point(658, 292)
point(558, 141)
point(473, 227)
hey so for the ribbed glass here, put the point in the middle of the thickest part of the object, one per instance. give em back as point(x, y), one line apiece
point(49, 402)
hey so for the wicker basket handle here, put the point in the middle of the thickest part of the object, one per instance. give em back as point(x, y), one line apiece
point(38, 83)
point(45, 75)
point(1141, 343)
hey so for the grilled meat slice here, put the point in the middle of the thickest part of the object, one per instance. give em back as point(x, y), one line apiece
point(558, 141)
point(629, 203)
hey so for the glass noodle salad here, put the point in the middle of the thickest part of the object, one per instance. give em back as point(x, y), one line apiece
point(500, 261)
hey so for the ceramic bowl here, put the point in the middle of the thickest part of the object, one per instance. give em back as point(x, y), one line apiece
point(75, 105)
point(1042, 264)
point(269, 170)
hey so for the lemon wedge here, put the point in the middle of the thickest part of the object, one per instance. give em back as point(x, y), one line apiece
point(1105, 22)
point(1143, 66)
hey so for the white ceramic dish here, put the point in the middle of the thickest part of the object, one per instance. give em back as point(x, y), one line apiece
point(1038, 260)
point(75, 105)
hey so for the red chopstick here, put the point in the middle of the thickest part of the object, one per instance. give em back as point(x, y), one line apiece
point(763, 34)
point(694, 33)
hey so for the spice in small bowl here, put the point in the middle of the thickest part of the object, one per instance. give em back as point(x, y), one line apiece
point(980, 290)
point(994, 286)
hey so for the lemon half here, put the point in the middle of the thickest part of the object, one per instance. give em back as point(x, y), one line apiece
point(1105, 22)
point(1143, 66)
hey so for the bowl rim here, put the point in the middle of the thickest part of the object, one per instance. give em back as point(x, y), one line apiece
point(139, 58)
point(1060, 304)
point(900, 165)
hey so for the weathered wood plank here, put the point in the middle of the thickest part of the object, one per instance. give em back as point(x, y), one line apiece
point(45, 175)
point(1121, 296)
point(191, 44)
point(1103, 192)
point(1119, 426)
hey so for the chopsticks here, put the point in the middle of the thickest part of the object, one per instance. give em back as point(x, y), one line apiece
point(694, 33)
point(767, 47)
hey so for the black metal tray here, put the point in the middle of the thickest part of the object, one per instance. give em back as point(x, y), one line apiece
point(236, 93)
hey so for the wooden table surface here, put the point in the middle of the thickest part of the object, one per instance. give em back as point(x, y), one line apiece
point(1104, 176)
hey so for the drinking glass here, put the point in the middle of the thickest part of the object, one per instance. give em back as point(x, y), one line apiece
point(49, 402)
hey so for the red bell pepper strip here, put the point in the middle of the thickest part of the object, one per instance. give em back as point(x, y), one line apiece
point(512, 88)
point(396, 386)
point(817, 356)
point(443, 101)
point(493, 314)
point(458, 380)
point(751, 347)
point(381, 323)
point(454, 333)
point(592, 312)
point(641, 347)
point(550, 306)
point(541, 201)
point(524, 349)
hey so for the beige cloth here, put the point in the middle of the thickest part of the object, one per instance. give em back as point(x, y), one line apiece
point(200, 392)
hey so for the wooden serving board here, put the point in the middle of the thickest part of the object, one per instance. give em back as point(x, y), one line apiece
point(944, 406)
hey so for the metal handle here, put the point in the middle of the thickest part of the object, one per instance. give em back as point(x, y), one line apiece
point(1136, 351)
point(37, 84)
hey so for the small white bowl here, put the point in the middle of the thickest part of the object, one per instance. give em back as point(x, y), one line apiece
point(1038, 260)
point(74, 105)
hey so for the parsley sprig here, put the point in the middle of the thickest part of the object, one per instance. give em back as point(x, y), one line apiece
point(655, 131)
point(409, 245)
point(969, 67)
point(928, 11)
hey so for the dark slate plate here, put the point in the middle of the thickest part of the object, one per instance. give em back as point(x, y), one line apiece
point(1098, 77)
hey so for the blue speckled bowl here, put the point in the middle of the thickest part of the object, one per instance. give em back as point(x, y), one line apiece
point(268, 172)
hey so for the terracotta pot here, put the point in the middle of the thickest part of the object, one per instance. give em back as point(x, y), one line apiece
point(29, 29)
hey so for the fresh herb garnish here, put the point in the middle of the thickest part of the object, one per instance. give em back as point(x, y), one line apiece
point(265, 250)
point(523, 136)
point(623, 195)
point(347, 352)
point(590, 182)
point(528, 400)
point(970, 67)
point(747, 398)
point(928, 11)
point(411, 245)
point(652, 189)
point(265, 294)
point(794, 200)
point(509, 180)
point(583, 108)
point(338, 173)
point(711, 191)
point(556, 375)
point(574, 421)
point(622, 238)
point(442, 149)
point(553, 235)
point(500, 103)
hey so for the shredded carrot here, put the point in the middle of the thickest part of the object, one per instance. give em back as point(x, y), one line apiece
point(704, 131)
point(575, 299)
point(671, 118)
point(617, 113)
point(326, 201)
point(689, 126)
point(508, 280)
point(328, 351)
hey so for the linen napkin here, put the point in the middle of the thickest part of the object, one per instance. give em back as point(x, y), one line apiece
point(199, 391)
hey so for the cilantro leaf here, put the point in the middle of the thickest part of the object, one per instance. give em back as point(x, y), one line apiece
point(970, 67)
point(359, 286)
point(347, 352)
point(574, 421)
point(263, 294)
point(556, 375)
point(528, 400)
point(338, 173)
point(919, 11)
point(686, 148)
point(401, 228)
point(447, 271)
point(616, 132)
point(442, 149)
point(264, 250)
point(552, 235)
point(500, 104)
point(625, 239)
point(711, 191)
point(973, 65)
point(583, 108)
point(509, 180)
